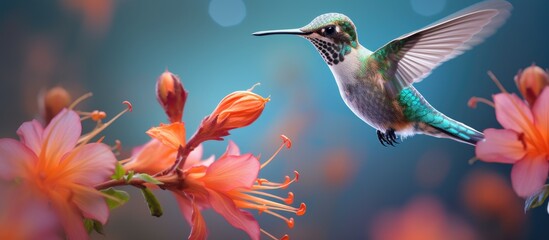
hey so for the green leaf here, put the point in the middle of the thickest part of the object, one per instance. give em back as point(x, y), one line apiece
point(537, 199)
point(116, 198)
point(98, 227)
point(91, 224)
point(154, 206)
point(147, 178)
point(130, 175)
point(119, 172)
point(88, 224)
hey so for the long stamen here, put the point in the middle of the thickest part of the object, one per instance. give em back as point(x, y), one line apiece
point(474, 100)
point(80, 99)
point(285, 237)
point(289, 221)
point(262, 203)
point(289, 200)
point(285, 142)
point(497, 82)
point(85, 138)
point(264, 184)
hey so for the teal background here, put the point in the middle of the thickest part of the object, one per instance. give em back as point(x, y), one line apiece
point(348, 180)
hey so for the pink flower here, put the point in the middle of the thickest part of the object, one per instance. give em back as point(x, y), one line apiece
point(230, 185)
point(57, 167)
point(524, 141)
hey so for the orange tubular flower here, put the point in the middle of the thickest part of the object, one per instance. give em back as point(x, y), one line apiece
point(57, 169)
point(236, 110)
point(161, 151)
point(171, 95)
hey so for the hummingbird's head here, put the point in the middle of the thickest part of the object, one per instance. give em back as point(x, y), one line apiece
point(333, 35)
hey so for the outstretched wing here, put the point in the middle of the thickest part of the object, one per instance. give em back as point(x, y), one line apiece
point(412, 57)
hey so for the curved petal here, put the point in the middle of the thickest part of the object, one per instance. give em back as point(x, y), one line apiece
point(89, 164)
point(172, 135)
point(185, 207)
point(70, 219)
point(541, 113)
point(500, 145)
point(529, 175)
point(194, 157)
point(92, 205)
point(232, 172)
point(236, 217)
point(199, 231)
point(15, 159)
point(232, 149)
point(30, 134)
point(512, 113)
point(152, 158)
point(61, 135)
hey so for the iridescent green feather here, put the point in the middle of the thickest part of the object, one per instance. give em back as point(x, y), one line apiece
point(416, 109)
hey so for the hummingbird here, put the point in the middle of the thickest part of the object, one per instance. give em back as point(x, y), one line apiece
point(378, 86)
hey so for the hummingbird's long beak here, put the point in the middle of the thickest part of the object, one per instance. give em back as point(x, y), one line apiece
point(295, 31)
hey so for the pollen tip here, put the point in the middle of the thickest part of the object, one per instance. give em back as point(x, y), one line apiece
point(472, 103)
point(296, 176)
point(128, 105)
point(290, 199)
point(286, 141)
point(302, 210)
point(285, 237)
point(290, 223)
point(98, 115)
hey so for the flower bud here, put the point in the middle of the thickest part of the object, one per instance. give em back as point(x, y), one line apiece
point(53, 101)
point(238, 109)
point(171, 95)
point(531, 82)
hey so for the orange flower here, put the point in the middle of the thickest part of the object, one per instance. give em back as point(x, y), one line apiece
point(160, 152)
point(56, 168)
point(236, 110)
point(171, 95)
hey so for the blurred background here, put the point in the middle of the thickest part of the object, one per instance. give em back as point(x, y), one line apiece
point(353, 186)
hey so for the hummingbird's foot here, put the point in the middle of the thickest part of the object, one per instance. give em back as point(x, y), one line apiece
point(388, 137)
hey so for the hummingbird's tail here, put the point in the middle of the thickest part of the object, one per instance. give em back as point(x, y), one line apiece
point(439, 125)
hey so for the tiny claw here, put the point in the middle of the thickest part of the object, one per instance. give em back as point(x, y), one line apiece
point(302, 209)
point(381, 138)
point(128, 105)
point(286, 141)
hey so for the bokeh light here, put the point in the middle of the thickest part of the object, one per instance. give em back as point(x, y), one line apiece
point(227, 12)
point(428, 7)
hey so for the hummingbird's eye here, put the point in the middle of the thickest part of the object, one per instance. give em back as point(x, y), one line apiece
point(329, 30)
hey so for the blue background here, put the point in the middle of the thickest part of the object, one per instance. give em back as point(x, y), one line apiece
point(348, 180)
